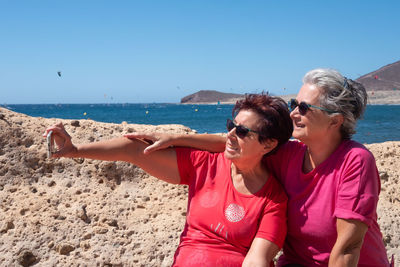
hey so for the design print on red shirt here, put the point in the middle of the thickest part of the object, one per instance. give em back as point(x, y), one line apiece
point(234, 213)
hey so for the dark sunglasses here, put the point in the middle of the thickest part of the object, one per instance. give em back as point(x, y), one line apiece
point(241, 131)
point(304, 107)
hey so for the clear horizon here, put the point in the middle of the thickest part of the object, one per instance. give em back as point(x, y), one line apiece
point(159, 52)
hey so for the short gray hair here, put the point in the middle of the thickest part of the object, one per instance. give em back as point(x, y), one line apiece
point(341, 95)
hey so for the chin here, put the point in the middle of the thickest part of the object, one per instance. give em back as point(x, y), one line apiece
point(300, 137)
point(298, 134)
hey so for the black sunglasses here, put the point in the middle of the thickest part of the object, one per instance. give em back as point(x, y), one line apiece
point(241, 131)
point(304, 107)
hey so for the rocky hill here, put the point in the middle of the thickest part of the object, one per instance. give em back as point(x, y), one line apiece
point(210, 96)
point(386, 78)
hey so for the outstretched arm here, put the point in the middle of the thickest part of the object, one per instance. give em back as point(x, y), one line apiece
point(161, 164)
point(208, 142)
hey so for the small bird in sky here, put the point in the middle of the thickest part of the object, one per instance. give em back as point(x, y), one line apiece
point(59, 73)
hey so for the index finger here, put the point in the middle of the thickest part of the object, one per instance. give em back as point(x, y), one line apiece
point(56, 129)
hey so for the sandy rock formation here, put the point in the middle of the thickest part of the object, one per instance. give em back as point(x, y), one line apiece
point(64, 212)
point(76, 212)
point(387, 157)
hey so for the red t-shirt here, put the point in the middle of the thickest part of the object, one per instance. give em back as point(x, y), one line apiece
point(221, 223)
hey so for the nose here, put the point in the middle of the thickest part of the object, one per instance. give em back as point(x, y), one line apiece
point(294, 112)
point(232, 133)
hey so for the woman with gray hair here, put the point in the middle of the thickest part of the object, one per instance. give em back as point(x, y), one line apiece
point(331, 181)
point(340, 95)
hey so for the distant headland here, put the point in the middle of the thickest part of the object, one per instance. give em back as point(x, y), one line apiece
point(211, 97)
point(382, 85)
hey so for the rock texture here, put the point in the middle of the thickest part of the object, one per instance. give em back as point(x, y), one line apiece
point(76, 212)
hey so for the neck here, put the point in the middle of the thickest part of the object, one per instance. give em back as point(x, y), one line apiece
point(248, 170)
point(247, 166)
point(319, 151)
point(249, 180)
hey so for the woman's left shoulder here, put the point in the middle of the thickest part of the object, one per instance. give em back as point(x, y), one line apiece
point(354, 149)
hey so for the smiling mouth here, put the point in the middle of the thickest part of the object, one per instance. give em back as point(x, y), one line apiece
point(230, 148)
point(298, 125)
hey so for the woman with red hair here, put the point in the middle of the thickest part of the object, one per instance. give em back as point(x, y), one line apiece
point(236, 209)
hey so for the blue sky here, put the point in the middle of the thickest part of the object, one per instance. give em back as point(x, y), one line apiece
point(161, 51)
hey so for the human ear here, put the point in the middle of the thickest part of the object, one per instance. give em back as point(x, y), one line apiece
point(269, 144)
point(337, 121)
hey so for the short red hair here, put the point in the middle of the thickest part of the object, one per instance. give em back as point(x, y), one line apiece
point(275, 123)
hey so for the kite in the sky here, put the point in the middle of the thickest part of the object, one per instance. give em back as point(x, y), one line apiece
point(59, 73)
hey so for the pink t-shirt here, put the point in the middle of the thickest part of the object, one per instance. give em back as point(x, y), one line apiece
point(346, 185)
point(221, 223)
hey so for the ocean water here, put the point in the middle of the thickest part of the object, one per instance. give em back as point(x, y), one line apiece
point(380, 123)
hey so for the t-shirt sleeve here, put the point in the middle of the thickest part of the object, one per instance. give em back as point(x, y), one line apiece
point(273, 224)
point(188, 159)
point(359, 188)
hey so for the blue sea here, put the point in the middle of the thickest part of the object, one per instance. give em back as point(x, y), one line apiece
point(381, 122)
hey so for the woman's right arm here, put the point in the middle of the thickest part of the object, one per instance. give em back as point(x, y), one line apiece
point(261, 253)
point(208, 142)
point(161, 164)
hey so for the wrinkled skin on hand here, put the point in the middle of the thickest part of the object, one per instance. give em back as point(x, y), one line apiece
point(157, 140)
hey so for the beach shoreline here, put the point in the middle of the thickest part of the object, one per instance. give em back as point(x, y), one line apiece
point(63, 212)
